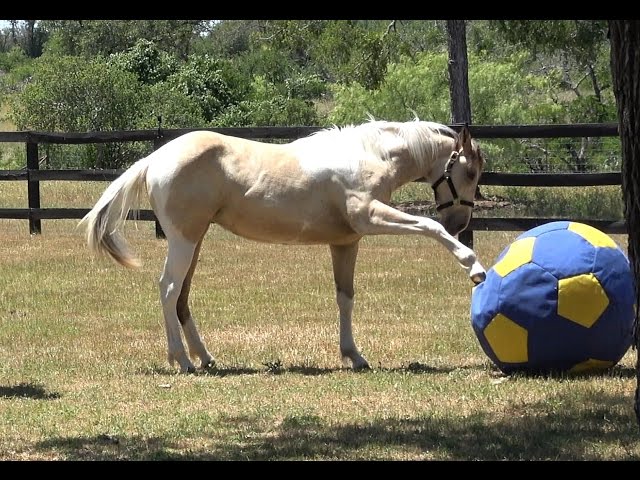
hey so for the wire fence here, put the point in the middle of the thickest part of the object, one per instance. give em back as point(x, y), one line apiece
point(553, 155)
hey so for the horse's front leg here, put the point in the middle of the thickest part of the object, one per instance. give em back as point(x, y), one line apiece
point(344, 262)
point(377, 218)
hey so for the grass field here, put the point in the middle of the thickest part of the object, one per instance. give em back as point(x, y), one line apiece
point(83, 372)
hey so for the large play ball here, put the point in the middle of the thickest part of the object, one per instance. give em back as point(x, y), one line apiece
point(560, 298)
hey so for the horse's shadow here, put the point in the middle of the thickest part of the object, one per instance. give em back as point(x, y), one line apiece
point(277, 368)
point(415, 368)
point(27, 390)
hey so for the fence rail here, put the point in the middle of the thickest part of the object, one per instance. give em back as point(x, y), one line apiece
point(33, 174)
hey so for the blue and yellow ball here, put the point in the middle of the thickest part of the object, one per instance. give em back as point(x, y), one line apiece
point(560, 298)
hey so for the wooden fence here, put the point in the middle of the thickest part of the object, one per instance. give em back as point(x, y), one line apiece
point(33, 175)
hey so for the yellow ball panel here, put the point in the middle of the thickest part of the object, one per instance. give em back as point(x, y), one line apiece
point(592, 235)
point(508, 340)
point(591, 364)
point(581, 299)
point(520, 252)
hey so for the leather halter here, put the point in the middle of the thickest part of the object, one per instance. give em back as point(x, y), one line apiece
point(447, 176)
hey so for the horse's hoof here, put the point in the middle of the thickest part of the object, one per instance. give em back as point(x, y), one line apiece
point(211, 363)
point(361, 368)
point(477, 274)
point(478, 278)
point(188, 369)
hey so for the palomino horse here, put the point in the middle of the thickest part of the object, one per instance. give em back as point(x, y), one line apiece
point(332, 187)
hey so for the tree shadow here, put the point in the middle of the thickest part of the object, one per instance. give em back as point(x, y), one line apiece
point(27, 390)
point(617, 371)
point(562, 427)
point(111, 447)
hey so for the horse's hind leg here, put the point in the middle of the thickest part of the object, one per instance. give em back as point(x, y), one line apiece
point(177, 265)
point(194, 341)
point(344, 263)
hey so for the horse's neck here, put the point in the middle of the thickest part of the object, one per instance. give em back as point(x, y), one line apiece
point(435, 166)
point(407, 168)
point(403, 171)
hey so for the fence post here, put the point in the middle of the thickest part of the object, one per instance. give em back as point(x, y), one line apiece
point(466, 238)
point(33, 187)
point(157, 143)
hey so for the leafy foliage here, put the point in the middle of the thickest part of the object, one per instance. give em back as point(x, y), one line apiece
point(149, 63)
point(71, 94)
point(209, 82)
point(270, 104)
point(291, 72)
point(90, 38)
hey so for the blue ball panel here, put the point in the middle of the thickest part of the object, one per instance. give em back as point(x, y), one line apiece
point(547, 227)
point(613, 271)
point(484, 307)
point(557, 344)
point(528, 297)
point(564, 253)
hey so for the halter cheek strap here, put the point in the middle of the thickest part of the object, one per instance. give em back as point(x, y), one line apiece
point(447, 176)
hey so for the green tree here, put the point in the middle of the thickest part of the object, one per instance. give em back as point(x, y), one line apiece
point(146, 61)
point(227, 38)
point(211, 82)
point(89, 38)
point(270, 104)
point(501, 93)
point(172, 107)
point(578, 49)
point(70, 94)
point(340, 51)
point(15, 69)
point(28, 35)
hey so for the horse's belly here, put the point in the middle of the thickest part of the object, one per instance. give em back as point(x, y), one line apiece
point(279, 227)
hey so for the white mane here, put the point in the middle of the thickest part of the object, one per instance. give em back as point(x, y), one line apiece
point(419, 136)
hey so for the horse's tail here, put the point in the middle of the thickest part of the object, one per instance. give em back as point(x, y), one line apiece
point(105, 220)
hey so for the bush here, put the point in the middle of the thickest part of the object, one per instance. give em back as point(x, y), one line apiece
point(72, 94)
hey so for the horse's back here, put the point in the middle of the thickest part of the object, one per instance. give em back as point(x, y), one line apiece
point(256, 190)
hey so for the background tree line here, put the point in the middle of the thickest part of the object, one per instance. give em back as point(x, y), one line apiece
point(84, 75)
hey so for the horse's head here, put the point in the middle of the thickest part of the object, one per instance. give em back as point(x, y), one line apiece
point(455, 189)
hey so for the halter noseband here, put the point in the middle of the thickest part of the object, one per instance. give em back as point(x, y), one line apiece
point(447, 176)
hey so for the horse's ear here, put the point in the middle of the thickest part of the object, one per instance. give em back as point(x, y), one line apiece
point(464, 140)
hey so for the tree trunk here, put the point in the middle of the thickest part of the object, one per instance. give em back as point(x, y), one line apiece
point(30, 41)
point(14, 27)
point(624, 36)
point(458, 72)
point(459, 88)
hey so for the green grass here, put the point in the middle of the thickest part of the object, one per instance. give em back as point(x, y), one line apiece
point(603, 202)
point(83, 372)
point(595, 203)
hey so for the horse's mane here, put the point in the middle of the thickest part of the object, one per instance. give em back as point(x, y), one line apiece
point(420, 136)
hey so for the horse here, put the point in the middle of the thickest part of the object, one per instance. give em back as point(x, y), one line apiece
point(331, 187)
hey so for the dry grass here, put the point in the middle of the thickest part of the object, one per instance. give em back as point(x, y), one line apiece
point(83, 373)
